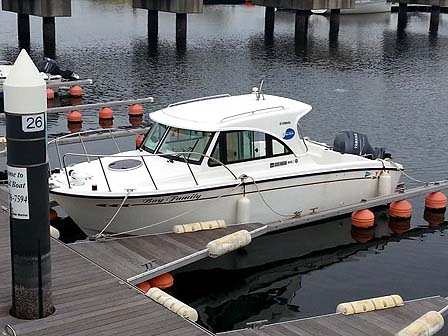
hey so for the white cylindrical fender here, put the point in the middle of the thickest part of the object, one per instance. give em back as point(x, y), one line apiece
point(363, 306)
point(426, 325)
point(200, 226)
point(228, 243)
point(385, 184)
point(54, 232)
point(243, 210)
point(173, 304)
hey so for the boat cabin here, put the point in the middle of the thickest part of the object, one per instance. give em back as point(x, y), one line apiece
point(227, 129)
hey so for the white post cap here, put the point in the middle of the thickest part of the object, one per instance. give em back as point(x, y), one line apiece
point(24, 89)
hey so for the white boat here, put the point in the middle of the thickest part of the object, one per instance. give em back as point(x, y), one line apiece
point(234, 158)
point(362, 7)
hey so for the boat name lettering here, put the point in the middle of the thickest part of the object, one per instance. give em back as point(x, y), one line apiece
point(173, 198)
point(285, 123)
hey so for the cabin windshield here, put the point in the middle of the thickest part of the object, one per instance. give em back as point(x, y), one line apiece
point(177, 143)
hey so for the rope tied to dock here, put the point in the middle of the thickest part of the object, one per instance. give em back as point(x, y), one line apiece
point(101, 233)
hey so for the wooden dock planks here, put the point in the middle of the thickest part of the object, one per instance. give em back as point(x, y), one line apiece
point(88, 300)
point(382, 322)
point(126, 257)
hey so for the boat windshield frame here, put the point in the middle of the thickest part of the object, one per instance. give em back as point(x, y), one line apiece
point(160, 143)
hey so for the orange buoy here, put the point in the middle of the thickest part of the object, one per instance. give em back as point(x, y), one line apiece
point(361, 235)
point(53, 215)
point(106, 123)
point(162, 281)
point(138, 140)
point(135, 121)
point(106, 114)
point(50, 94)
point(76, 91)
point(74, 117)
point(136, 110)
point(435, 200)
point(434, 218)
point(400, 209)
point(399, 226)
point(144, 286)
point(363, 218)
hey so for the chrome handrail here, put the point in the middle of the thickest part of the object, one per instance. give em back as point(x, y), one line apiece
point(101, 156)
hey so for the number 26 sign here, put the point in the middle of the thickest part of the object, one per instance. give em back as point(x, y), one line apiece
point(33, 123)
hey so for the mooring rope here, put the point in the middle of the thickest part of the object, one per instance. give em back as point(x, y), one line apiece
point(100, 234)
point(407, 175)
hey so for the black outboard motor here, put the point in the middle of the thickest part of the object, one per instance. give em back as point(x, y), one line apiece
point(51, 67)
point(357, 144)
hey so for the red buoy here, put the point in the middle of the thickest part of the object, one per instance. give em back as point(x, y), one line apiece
point(139, 140)
point(435, 200)
point(74, 117)
point(76, 91)
point(50, 94)
point(106, 114)
point(136, 110)
point(363, 218)
point(144, 286)
point(400, 209)
point(162, 281)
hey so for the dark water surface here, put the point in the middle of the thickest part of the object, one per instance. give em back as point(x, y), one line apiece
point(391, 86)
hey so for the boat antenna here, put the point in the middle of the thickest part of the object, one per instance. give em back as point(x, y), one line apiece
point(259, 90)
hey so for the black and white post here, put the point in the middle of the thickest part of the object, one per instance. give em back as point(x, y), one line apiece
point(25, 108)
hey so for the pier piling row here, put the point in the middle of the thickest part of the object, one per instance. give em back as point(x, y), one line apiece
point(303, 11)
point(435, 12)
point(48, 10)
point(180, 7)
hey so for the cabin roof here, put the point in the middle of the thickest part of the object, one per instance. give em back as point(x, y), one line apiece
point(226, 112)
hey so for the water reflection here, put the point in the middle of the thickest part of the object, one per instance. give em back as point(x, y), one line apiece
point(264, 281)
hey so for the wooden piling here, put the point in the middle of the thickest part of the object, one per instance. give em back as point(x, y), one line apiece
point(334, 22)
point(49, 36)
point(402, 15)
point(153, 25)
point(269, 21)
point(434, 20)
point(301, 24)
point(181, 29)
point(23, 28)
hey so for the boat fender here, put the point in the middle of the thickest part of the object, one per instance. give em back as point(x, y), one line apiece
point(173, 304)
point(54, 232)
point(200, 226)
point(385, 184)
point(428, 324)
point(243, 210)
point(363, 306)
point(228, 243)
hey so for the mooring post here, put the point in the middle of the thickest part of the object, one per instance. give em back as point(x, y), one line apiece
point(181, 29)
point(301, 25)
point(269, 21)
point(25, 110)
point(23, 28)
point(49, 36)
point(402, 15)
point(153, 25)
point(434, 20)
point(334, 22)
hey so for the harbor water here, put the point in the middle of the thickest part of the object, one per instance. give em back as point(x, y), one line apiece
point(387, 84)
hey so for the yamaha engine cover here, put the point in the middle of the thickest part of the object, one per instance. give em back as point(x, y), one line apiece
point(349, 142)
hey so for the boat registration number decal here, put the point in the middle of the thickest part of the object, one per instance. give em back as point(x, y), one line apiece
point(18, 193)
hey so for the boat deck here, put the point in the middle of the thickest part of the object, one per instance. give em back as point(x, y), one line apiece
point(378, 323)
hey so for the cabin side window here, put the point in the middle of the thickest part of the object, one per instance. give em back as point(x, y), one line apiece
point(240, 146)
point(154, 136)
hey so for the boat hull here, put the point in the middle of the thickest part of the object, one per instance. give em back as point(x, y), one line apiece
point(282, 198)
point(367, 7)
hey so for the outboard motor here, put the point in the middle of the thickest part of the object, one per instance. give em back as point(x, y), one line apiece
point(51, 67)
point(357, 144)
